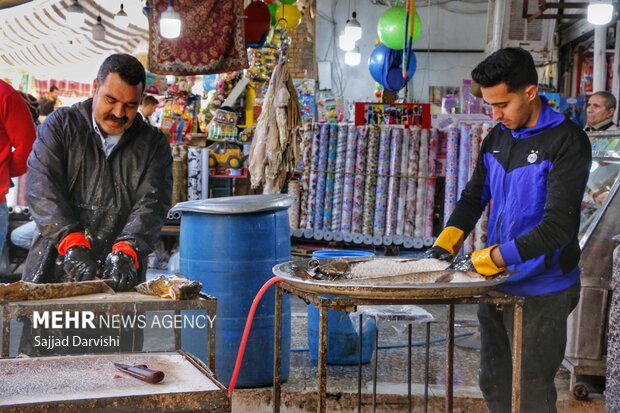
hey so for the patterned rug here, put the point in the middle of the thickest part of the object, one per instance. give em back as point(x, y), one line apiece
point(211, 40)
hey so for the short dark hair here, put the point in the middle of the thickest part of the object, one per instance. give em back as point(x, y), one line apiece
point(149, 100)
point(610, 99)
point(128, 68)
point(53, 88)
point(512, 65)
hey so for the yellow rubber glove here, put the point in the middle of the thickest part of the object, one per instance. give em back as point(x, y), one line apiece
point(450, 239)
point(484, 264)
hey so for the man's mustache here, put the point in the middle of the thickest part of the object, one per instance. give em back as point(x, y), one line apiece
point(122, 120)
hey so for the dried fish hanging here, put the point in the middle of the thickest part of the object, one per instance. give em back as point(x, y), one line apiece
point(276, 144)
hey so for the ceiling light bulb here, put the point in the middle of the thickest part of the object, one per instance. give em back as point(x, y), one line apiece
point(121, 19)
point(170, 23)
point(75, 15)
point(353, 28)
point(600, 12)
point(354, 57)
point(345, 42)
point(98, 30)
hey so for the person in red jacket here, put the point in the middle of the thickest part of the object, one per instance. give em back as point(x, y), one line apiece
point(16, 137)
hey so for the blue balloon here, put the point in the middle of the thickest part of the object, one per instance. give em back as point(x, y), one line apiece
point(376, 62)
point(392, 78)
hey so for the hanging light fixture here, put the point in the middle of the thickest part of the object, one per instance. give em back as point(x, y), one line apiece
point(600, 12)
point(75, 15)
point(353, 28)
point(121, 19)
point(170, 22)
point(99, 30)
point(353, 57)
point(345, 43)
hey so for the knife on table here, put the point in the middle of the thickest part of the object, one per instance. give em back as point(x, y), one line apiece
point(142, 372)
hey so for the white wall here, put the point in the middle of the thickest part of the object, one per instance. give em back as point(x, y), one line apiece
point(462, 28)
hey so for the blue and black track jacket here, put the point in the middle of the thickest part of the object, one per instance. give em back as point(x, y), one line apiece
point(535, 180)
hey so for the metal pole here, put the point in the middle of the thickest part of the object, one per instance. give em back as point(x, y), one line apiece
point(498, 25)
point(450, 360)
point(600, 62)
point(517, 332)
point(409, 406)
point(359, 367)
point(615, 84)
point(374, 376)
point(322, 367)
point(426, 363)
point(277, 350)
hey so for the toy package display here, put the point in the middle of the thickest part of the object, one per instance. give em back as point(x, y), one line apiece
point(408, 114)
point(574, 108)
point(223, 126)
point(330, 110)
point(306, 91)
point(178, 116)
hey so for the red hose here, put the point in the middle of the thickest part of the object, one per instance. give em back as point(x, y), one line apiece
point(246, 331)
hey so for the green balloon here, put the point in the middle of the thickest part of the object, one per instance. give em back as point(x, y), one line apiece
point(289, 1)
point(272, 11)
point(391, 28)
point(417, 27)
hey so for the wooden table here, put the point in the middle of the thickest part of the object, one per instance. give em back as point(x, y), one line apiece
point(91, 383)
point(118, 303)
point(349, 304)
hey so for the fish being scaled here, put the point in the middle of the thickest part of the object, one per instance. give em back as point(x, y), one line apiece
point(445, 276)
point(22, 290)
point(173, 287)
point(358, 269)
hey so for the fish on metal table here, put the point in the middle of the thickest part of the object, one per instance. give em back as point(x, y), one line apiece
point(172, 287)
point(363, 268)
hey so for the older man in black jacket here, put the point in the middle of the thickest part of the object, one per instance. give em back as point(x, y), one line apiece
point(99, 184)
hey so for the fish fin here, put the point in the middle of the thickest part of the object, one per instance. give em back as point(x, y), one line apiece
point(444, 278)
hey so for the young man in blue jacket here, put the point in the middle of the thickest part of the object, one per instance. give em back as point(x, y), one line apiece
point(533, 167)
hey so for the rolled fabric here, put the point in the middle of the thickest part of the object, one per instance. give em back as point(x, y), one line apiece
point(377, 240)
point(383, 169)
point(338, 236)
point(464, 158)
point(176, 215)
point(371, 179)
point(204, 172)
point(341, 149)
point(429, 212)
point(480, 231)
point(298, 233)
point(428, 241)
point(398, 239)
point(388, 240)
point(306, 153)
point(318, 234)
point(420, 201)
point(308, 233)
point(320, 184)
point(486, 128)
point(330, 178)
point(367, 239)
point(348, 237)
point(358, 182)
point(194, 176)
point(21, 190)
point(412, 180)
point(476, 139)
point(402, 190)
point(314, 175)
point(328, 235)
point(358, 238)
point(396, 146)
point(349, 178)
point(452, 153)
point(294, 190)
point(418, 243)
point(408, 242)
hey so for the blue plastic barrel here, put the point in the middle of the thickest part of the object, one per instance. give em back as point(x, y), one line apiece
point(342, 338)
point(230, 245)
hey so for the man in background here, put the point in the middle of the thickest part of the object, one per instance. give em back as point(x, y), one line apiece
point(48, 103)
point(600, 112)
point(147, 108)
point(16, 138)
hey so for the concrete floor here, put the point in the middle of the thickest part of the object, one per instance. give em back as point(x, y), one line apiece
point(299, 392)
